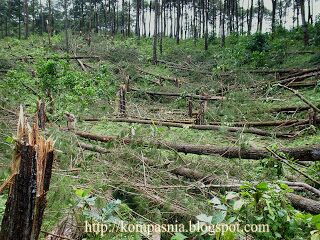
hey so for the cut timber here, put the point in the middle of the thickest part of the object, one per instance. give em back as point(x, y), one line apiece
point(203, 127)
point(167, 94)
point(31, 170)
point(304, 204)
point(68, 228)
point(307, 153)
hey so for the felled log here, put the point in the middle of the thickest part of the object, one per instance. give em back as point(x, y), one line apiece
point(177, 81)
point(197, 175)
point(300, 72)
point(68, 228)
point(55, 57)
point(290, 109)
point(302, 84)
point(203, 127)
point(171, 94)
point(306, 153)
point(93, 148)
point(31, 174)
point(299, 78)
point(304, 204)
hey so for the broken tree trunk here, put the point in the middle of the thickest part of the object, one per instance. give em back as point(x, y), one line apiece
point(167, 94)
point(307, 153)
point(31, 170)
point(190, 107)
point(122, 100)
point(304, 204)
point(41, 115)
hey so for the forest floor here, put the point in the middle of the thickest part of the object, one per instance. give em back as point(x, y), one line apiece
point(150, 181)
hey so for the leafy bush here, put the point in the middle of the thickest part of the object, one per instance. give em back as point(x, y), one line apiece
point(258, 43)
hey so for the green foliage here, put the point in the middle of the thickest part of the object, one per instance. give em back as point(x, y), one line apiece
point(258, 43)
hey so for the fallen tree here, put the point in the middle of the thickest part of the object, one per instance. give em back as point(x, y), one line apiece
point(203, 127)
point(304, 204)
point(171, 94)
point(306, 153)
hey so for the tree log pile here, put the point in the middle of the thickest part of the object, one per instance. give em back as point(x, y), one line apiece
point(29, 183)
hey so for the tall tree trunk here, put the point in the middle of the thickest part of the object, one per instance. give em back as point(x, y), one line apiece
point(223, 36)
point(250, 18)
point(26, 18)
point(178, 22)
point(19, 19)
point(155, 33)
point(304, 23)
point(194, 21)
point(65, 3)
point(206, 25)
point(273, 18)
point(137, 30)
point(129, 18)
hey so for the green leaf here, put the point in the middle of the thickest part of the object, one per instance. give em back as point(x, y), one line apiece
point(263, 186)
point(231, 195)
point(204, 218)
point(218, 217)
point(215, 201)
point(178, 236)
point(238, 204)
point(316, 219)
point(9, 139)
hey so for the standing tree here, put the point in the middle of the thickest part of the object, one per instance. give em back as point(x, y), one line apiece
point(155, 34)
point(304, 23)
point(26, 18)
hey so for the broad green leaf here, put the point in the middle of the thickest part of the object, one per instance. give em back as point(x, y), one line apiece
point(215, 201)
point(263, 186)
point(218, 217)
point(238, 204)
point(204, 218)
point(178, 236)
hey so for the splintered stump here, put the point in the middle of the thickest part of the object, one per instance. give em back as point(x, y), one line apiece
point(41, 114)
point(30, 180)
point(122, 101)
